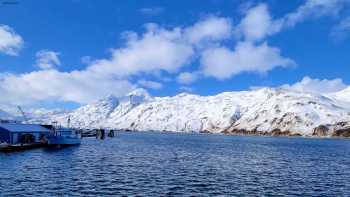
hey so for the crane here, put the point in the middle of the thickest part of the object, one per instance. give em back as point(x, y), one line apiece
point(23, 114)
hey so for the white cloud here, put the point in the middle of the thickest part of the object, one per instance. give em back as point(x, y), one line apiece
point(223, 63)
point(150, 84)
point(314, 9)
point(187, 77)
point(157, 49)
point(152, 11)
point(212, 28)
point(76, 86)
point(308, 84)
point(10, 41)
point(249, 54)
point(160, 51)
point(342, 30)
point(47, 59)
point(257, 24)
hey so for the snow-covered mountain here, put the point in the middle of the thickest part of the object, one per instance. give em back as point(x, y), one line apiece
point(266, 111)
point(343, 95)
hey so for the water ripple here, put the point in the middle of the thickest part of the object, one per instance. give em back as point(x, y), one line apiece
point(154, 164)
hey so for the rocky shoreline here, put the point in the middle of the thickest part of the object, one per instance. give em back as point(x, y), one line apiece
point(339, 130)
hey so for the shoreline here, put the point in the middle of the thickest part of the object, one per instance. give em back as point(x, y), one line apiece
point(266, 134)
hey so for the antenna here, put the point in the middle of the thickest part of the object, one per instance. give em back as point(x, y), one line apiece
point(23, 114)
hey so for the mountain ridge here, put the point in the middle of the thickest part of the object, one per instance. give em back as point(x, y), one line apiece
point(265, 111)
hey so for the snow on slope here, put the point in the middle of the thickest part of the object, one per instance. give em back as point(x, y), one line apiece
point(295, 112)
point(263, 110)
point(343, 95)
point(42, 115)
point(180, 113)
point(91, 115)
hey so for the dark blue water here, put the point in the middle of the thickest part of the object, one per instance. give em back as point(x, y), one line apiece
point(154, 164)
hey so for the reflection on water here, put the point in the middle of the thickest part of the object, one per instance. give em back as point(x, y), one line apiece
point(152, 164)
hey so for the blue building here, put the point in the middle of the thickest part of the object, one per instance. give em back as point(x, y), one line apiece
point(15, 133)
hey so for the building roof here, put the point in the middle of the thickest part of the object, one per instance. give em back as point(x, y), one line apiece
point(15, 127)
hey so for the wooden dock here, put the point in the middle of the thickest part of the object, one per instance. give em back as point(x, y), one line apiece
point(21, 147)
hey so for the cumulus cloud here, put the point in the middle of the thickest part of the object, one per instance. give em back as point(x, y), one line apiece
point(154, 51)
point(10, 41)
point(187, 77)
point(250, 55)
point(47, 59)
point(160, 50)
point(157, 49)
point(212, 28)
point(150, 84)
point(314, 9)
point(77, 86)
point(257, 24)
point(308, 84)
point(223, 63)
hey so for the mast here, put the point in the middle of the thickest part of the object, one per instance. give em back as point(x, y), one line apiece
point(68, 122)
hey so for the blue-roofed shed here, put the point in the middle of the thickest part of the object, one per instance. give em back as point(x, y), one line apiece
point(14, 133)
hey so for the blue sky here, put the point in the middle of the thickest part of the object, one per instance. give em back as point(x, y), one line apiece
point(71, 52)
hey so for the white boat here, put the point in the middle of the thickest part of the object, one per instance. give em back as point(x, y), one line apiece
point(64, 137)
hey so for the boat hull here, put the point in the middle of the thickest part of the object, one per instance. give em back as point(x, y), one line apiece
point(63, 141)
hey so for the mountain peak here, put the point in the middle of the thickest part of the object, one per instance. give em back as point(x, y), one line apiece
point(110, 98)
point(259, 110)
point(109, 101)
point(183, 94)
